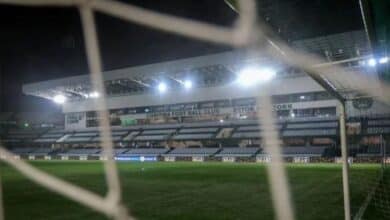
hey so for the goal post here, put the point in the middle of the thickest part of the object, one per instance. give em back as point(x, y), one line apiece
point(344, 155)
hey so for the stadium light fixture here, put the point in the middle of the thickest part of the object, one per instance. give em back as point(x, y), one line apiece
point(162, 87)
point(252, 75)
point(187, 84)
point(383, 60)
point(372, 62)
point(59, 99)
point(94, 95)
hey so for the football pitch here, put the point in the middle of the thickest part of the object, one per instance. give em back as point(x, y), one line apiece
point(188, 190)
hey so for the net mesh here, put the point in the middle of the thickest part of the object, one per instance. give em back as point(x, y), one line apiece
point(369, 167)
point(247, 32)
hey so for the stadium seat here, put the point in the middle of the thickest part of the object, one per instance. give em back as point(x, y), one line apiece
point(193, 136)
point(192, 152)
point(238, 151)
point(145, 152)
point(312, 125)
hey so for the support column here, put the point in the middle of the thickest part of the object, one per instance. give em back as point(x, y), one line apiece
point(344, 155)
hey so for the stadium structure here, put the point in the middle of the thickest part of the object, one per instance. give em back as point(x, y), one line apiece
point(327, 94)
point(204, 108)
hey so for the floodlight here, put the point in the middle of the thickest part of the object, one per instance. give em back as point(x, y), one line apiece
point(94, 95)
point(162, 87)
point(302, 97)
point(59, 99)
point(383, 60)
point(187, 84)
point(221, 121)
point(251, 75)
point(372, 62)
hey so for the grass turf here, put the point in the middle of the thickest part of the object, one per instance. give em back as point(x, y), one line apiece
point(187, 190)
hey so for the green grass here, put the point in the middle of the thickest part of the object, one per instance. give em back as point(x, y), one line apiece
point(187, 190)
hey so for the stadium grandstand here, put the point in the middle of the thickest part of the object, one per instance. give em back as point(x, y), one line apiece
point(202, 108)
point(281, 121)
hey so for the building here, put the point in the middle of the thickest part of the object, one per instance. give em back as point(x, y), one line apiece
point(207, 88)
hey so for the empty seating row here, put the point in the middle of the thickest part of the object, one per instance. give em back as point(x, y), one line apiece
point(312, 125)
point(51, 136)
point(116, 151)
point(41, 151)
point(198, 130)
point(145, 152)
point(238, 151)
point(374, 149)
point(76, 139)
point(379, 122)
point(378, 130)
point(160, 131)
point(23, 135)
point(371, 151)
point(309, 132)
point(113, 138)
point(150, 137)
point(193, 136)
point(252, 134)
point(80, 151)
point(46, 140)
point(182, 152)
point(255, 127)
point(85, 134)
point(193, 152)
point(307, 151)
point(310, 119)
point(22, 150)
point(31, 150)
point(119, 132)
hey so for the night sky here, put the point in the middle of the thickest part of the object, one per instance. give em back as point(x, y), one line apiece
point(46, 43)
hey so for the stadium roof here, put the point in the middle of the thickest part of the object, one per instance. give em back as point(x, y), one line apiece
point(350, 49)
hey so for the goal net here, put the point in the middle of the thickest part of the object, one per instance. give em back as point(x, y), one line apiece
point(249, 34)
point(369, 158)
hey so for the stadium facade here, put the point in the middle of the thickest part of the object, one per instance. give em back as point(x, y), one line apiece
point(215, 94)
point(294, 95)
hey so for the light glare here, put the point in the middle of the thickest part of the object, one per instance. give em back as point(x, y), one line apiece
point(187, 84)
point(94, 95)
point(59, 99)
point(162, 87)
point(372, 62)
point(251, 76)
point(383, 60)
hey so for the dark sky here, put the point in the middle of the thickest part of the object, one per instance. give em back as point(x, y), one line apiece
point(46, 43)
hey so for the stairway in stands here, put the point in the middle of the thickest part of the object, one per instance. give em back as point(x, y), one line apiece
point(225, 133)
